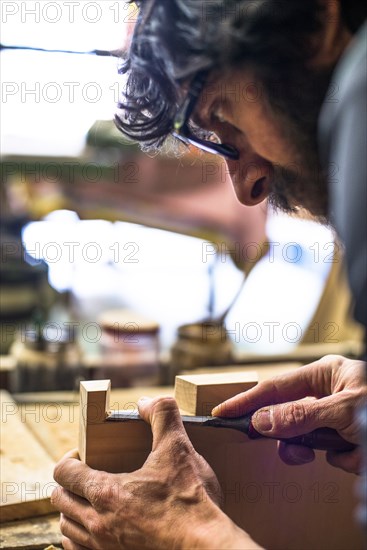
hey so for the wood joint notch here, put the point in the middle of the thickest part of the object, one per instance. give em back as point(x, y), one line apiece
point(110, 446)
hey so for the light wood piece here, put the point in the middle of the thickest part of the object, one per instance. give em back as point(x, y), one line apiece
point(198, 394)
point(103, 445)
point(26, 468)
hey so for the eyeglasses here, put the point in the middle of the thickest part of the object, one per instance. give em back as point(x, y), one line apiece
point(182, 131)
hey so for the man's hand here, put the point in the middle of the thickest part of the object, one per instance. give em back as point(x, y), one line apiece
point(325, 393)
point(171, 502)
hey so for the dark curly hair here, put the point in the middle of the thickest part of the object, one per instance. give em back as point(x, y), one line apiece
point(174, 39)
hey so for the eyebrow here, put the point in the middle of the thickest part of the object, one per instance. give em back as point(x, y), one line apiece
point(202, 117)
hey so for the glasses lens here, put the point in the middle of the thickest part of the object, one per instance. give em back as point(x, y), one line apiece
point(213, 138)
point(214, 148)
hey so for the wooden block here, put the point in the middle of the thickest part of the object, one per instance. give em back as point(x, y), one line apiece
point(101, 444)
point(197, 394)
point(281, 507)
point(26, 468)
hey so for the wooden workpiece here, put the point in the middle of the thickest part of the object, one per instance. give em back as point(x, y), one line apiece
point(103, 445)
point(26, 468)
point(281, 507)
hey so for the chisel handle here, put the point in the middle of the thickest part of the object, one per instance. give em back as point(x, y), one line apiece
point(323, 439)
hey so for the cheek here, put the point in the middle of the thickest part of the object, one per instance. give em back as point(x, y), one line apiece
point(265, 134)
point(275, 149)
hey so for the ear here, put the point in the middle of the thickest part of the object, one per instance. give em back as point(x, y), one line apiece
point(333, 37)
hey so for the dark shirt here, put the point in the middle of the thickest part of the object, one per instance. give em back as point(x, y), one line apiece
point(343, 147)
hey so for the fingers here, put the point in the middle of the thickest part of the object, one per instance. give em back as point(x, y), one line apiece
point(77, 477)
point(74, 531)
point(299, 417)
point(163, 415)
point(295, 455)
point(74, 507)
point(313, 379)
point(349, 462)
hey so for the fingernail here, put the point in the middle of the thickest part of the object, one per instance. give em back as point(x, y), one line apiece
point(262, 420)
point(216, 411)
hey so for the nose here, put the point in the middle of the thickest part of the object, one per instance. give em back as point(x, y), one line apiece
point(251, 179)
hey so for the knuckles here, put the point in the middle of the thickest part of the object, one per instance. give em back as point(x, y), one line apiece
point(99, 491)
point(291, 414)
point(57, 496)
point(97, 528)
point(331, 359)
point(163, 405)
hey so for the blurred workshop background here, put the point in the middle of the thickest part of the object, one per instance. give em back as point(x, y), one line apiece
point(130, 265)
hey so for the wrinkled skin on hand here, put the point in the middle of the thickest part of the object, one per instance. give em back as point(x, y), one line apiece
point(171, 502)
point(326, 393)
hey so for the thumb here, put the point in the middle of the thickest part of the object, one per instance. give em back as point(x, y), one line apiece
point(296, 418)
point(164, 417)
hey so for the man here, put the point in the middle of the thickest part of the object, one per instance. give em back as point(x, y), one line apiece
point(258, 75)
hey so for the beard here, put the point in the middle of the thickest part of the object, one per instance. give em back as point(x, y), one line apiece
point(296, 102)
point(302, 187)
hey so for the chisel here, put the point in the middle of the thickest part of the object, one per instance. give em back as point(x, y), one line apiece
point(324, 439)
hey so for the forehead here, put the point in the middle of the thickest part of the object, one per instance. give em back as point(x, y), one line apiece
point(240, 84)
